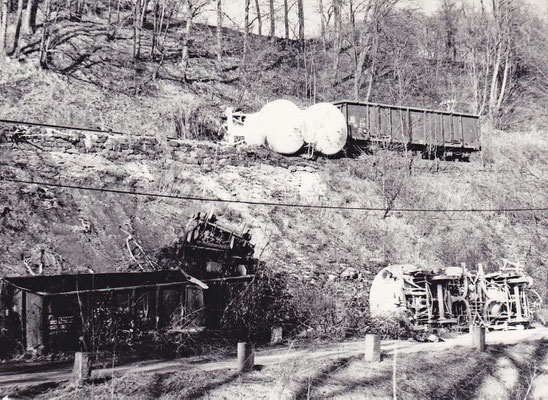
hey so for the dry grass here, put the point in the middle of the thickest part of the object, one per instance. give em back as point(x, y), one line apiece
point(456, 373)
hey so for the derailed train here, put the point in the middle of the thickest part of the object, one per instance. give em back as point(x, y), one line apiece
point(345, 126)
point(456, 297)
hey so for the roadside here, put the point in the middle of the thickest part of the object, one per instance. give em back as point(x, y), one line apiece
point(326, 370)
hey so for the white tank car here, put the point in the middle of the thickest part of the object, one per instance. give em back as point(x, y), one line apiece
point(282, 124)
point(324, 126)
point(387, 294)
point(253, 130)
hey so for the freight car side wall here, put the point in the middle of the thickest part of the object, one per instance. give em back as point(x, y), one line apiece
point(408, 126)
point(53, 322)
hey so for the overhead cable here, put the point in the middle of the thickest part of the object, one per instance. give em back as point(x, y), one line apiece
point(55, 126)
point(271, 203)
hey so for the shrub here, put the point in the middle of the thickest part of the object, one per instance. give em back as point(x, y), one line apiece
point(392, 326)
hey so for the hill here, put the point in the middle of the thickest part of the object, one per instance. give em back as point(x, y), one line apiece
point(327, 258)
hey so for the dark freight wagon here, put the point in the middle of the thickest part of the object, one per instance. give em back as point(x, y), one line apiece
point(57, 312)
point(434, 133)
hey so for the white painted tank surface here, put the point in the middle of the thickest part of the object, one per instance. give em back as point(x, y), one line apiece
point(324, 126)
point(387, 294)
point(253, 130)
point(282, 124)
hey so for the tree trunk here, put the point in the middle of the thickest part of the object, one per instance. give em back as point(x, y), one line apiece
point(246, 31)
point(18, 22)
point(4, 28)
point(109, 19)
point(494, 83)
point(272, 21)
point(504, 79)
point(144, 5)
point(337, 41)
point(300, 12)
point(219, 32)
point(29, 23)
point(286, 19)
point(135, 50)
point(322, 25)
point(44, 43)
point(186, 38)
point(259, 17)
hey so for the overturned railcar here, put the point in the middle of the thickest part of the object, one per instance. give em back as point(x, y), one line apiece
point(455, 296)
point(61, 312)
point(431, 132)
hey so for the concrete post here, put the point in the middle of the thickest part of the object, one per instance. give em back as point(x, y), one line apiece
point(478, 337)
point(276, 335)
point(246, 356)
point(372, 348)
point(82, 368)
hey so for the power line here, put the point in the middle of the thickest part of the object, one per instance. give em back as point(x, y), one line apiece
point(73, 128)
point(270, 203)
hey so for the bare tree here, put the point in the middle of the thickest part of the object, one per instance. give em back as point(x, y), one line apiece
point(259, 17)
point(246, 31)
point(191, 8)
point(29, 22)
point(18, 22)
point(46, 35)
point(489, 42)
point(286, 19)
point(322, 25)
point(337, 41)
point(449, 18)
point(4, 28)
point(219, 31)
point(188, 12)
point(300, 13)
point(367, 43)
point(503, 11)
point(272, 20)
point(139, 12)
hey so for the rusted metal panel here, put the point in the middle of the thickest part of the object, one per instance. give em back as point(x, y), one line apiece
point(34, 320)
point(170, 304)
point(54, 316)
point(418, 127)
point(194, 306)
point(471, 132)
point(411, 125)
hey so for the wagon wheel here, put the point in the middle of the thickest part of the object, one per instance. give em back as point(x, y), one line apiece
point(495, 313)
point(534, 301)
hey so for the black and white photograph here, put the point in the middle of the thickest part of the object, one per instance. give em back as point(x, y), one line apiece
point(274, 199)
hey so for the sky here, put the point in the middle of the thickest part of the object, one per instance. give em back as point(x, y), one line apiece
point(235, 9)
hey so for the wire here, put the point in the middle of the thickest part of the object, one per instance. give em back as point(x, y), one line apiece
point(270, 203)
point(74, 128)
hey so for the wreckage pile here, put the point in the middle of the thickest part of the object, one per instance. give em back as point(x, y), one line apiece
point(456, 297)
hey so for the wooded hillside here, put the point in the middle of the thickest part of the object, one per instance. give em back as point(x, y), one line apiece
point(487, 58)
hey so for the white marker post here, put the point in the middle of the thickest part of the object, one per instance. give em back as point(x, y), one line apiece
point(246, 356)
point(82, 368)
point(372, 348)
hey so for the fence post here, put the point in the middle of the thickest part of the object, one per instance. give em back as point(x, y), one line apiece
point(372, 348)
point(82, 368)
point(276, 335)
point(478, 337)
point(246, 356)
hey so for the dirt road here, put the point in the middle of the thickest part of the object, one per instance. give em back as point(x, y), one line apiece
point(35, 375)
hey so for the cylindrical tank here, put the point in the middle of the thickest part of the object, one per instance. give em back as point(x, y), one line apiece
point(387, 294)
point(324, 126)
point(253, 130)
point(282, 123)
